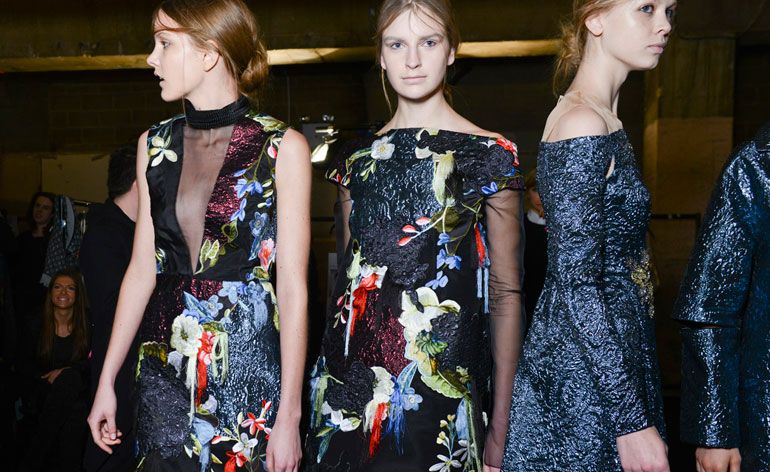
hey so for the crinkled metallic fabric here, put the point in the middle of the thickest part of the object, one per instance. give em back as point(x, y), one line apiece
point(725, 303)
point(589, 371)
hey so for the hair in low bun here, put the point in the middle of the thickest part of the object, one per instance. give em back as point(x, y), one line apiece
point(232, 27)
point(574, 34)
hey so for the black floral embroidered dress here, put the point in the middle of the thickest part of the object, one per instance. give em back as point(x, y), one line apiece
point(209, 372)
point(403, 380)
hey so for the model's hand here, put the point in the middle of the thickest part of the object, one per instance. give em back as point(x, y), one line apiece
point(717, 460)
point(101, 420)
point(283, 449)
point(52, 375)
point(643, 451)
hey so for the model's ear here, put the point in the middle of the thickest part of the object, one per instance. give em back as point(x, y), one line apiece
point(382, 62)
point(451, 58)
point(595, 24)
point(211, 56)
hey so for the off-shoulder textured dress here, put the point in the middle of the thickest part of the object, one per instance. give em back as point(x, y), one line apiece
point(433, 258)
point(589, 371)
point(725, 306)
point(209, 363)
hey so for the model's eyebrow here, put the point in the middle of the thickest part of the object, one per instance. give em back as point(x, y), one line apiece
point(430, 36)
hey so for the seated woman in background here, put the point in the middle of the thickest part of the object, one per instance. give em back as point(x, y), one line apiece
point(59, 408)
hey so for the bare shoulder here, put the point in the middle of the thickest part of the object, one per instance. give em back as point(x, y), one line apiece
point(141, 150)
point(487, 133)
point(294, 144)
point(578, 122)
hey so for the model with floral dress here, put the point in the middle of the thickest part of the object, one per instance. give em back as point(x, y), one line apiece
point(430, 286)
point(217, 223)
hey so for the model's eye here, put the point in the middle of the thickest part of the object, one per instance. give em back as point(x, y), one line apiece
point(430, 43)
point(164, 44)
point(395, 45)
point(671, 13)
point(647, 9)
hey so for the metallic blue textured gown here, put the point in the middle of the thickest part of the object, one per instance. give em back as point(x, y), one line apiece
point(725, 303)
point(589, 371)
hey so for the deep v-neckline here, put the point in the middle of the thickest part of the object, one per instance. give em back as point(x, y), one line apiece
point(193, 265)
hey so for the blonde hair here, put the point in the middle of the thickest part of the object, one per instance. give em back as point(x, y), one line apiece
point(233, 28)
point(574, 34)
point(439, 11)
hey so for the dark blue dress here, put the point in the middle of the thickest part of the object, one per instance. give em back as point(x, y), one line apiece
point(589, 372)
point(725, 302)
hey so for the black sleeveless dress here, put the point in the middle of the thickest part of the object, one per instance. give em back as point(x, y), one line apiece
point(209, 372)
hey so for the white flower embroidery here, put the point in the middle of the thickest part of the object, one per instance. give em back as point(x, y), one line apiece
point(382, 149)
point(416, 321)
point(337, 418)
point(186, 335)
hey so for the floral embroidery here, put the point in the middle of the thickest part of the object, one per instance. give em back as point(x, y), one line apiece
point(382, 149)
point(159, 147)
point(439, 224)
point(640, 275)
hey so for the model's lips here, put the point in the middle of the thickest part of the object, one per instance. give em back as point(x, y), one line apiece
point(658, 48)
point(414, 78)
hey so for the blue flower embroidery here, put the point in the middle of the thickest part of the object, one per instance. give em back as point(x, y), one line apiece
point(231, 290)
point(444, 259)
point(489, 189)
point(244, 187)
point(440, 281)
point(241, 213)
point(411, 400)
point(443, 238)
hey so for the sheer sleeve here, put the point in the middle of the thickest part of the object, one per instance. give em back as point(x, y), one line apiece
point(505, 243)
point(711, 302)
point(342, 209)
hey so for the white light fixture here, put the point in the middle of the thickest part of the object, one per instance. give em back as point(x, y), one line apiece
point(328, 136)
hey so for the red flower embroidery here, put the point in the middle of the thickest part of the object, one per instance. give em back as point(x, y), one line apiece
point(266, 252)
point(253, 423)
point(511, 147)
point(235, 460)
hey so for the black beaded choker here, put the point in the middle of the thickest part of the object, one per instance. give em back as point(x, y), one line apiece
point(210, 119)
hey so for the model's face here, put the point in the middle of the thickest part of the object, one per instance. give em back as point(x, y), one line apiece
point(176, 61)
point(636, 31)
point(42, 211)
point(415, 55)
point(63, 292)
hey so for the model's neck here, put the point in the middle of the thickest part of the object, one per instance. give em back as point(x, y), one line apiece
point(433, 112)
point(214, 93)
point(600, 77)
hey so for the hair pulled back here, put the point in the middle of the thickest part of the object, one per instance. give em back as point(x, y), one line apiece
point(574, 34)
point(439, 11)
point(232, 27)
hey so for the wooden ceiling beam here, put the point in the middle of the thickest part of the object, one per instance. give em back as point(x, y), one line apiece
point(277, 57)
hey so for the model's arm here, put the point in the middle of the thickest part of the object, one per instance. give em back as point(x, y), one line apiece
point(135, 291)
point(293, 180)
point(506, 244)
point(711, 303)
point(577, 226)
point(342, 208)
